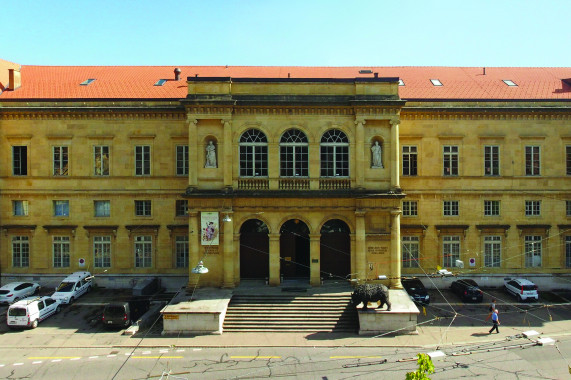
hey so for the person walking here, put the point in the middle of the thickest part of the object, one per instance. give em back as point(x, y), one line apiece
point(492, 308)
point(495, 321)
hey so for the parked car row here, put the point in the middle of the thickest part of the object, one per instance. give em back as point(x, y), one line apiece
point(26, 311)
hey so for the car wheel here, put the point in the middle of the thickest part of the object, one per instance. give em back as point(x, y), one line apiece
point(16, 299)
point(519, 298)
point(37, 291)
point(71, 300)
point(58, 309)
point(34, 324)
point(88, 289)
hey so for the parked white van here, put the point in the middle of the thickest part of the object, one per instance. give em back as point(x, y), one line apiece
point(30, 311)
point(72, 287)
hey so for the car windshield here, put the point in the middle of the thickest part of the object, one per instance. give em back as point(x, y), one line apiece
point(114, 311)
point(4, 292)
point(65, 287)
point(413, 285)
point(17, 312)
point(528, 287)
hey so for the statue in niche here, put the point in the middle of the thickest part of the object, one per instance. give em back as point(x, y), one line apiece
point(210, 155)
point(377, 153)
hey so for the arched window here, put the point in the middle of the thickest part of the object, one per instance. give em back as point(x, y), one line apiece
point(253, 154)
point(334, 154)
point(294, 156)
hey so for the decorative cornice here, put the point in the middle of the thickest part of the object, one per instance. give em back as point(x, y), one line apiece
point(467, 114)
point(93, 115)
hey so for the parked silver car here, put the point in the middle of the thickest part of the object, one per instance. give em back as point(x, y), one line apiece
point(16, 291)
point(521, 288)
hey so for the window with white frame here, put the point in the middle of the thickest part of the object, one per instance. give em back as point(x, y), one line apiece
point(102, 208)
point(143, 160)
point(450, 208)
point(181, 207)
point(294, 154)
point(20, 251)
point(533, 247)
point(409, 160)
point(532, 208)
point(450, 250)
point(101, 160)
point(410, 252)
point(450, 160)
point(102, 251)
point(253, 154)
point(568, 208)
point(568, 159)
point(20, 208)
point(182, 160)
point(143, 208)
point(61, 208)
point(567, 251)
point(19, 160)
point(492, 250)
point(60, 160)
point(334, 154)
point(61, 250)
point(532, 160)
point(409, 208)
point(181, 248)
point(143, 251)
point(491, 208)
point(491, 160)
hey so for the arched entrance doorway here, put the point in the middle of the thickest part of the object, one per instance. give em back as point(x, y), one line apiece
point(294, 250)
point(335, 250)
point(254, 250)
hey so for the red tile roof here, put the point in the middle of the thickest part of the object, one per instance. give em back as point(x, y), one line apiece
point(137, 82)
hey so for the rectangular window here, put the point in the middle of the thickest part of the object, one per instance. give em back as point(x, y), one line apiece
point(181, 207)
point(20, 251)
point(102, 208)
point(532, 160)
point(61, 251)
point(182, 160)
point(492, 251)
point(532, 208)
point(450, 208)
point(60, 160)
point(101, 160)
point(61, 208)
point(533, 247)
point(181, 247)
point(143, 251)
point(450, 158)
point(102, 251)
point(568, 208)
point(20, 160)
point(20, 208)
point(142, 208)
point(567, 251)
point(491, 208)
point(491, 160)
point(568, 158)
point(410, 252)
point(409, 160)
point(409, 208)
point(143, 160)
point(450, 250)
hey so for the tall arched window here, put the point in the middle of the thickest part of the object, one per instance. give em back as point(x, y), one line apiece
point(253, 154)
point(294, 156)
point(334, 154)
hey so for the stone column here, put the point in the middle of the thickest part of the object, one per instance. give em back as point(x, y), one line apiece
point(193, 158)
point(228, 164)
point(396, 256)
point(315, 259)
point(360, 254)
point(360, 153)
point(228, 259)
point(395, 154)
point(274, 259)
point(193, 246)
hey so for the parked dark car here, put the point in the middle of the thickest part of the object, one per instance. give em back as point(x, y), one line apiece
point(467, 290)
point(122, 314)
point(416, 290)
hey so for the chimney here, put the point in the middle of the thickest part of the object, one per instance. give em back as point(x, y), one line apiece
point(376, 75)
point(484, 71)
point(14, 80)
point(177, 74)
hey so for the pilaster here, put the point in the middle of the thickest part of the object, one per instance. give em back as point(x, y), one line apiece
point(395, 154)
point(274, 259)
point(396, 258)
point(360, 153)
point(315, 259)
point(360, 255)
point(228, 261)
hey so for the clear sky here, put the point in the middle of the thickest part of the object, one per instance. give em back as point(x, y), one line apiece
point(287, 32)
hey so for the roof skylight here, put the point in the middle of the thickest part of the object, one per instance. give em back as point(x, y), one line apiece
point(510, 83)
point(160, 82)
point(87, 82)
point(436, 82)
point(364, 71)
point(401, 82)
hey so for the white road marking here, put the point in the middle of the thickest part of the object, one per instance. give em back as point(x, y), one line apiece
point(18, 363)
point(56, 360)
point(37, 362)
point(93, 357)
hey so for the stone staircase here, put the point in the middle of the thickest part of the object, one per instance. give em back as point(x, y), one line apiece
point(291, 313)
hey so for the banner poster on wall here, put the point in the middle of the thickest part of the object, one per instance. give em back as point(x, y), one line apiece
point(209, 227)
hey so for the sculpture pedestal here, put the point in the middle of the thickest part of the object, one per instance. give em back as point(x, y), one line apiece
point(402, 318)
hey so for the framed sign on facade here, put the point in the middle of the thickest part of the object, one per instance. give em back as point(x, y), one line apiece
point(209, 227)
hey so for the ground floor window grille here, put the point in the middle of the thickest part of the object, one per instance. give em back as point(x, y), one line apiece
point(20, 251)
point(410, 251)
point(568, 251)
point(143, 251)
point(102, 251)
point(181, 247)
point(533, 248)
point(61, 251)
point(451, 250)
point(492, 251)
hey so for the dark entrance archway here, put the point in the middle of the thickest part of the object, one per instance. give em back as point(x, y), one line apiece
point(254, 250)
point(294, 249)
point(335, 249)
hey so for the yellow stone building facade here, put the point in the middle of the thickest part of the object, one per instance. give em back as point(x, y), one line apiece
point(280, 178)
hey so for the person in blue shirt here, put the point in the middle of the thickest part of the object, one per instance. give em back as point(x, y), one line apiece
point(495, 321)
